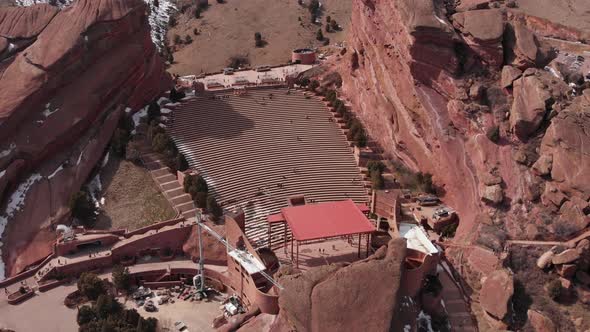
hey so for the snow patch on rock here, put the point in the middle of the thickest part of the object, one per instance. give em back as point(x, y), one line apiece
point(137, 118)
point(15, 203)
point(94, 190)
point(57, 170)
point(163, 100)
point(8, 151)
point(158, 19)
point(48, 111)
point(58, 3)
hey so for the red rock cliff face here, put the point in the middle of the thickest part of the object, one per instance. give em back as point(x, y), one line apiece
point(61, 95)
point(411, 121)
point(427, 86)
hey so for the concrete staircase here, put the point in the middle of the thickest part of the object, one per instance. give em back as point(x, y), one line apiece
point(459, 312)
point(180, 201)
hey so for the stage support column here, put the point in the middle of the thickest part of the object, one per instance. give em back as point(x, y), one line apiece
point(285, 240)
point(368, 243)
point(359, 254)
point(297, 264)
point(269, 236)
point(291, 248)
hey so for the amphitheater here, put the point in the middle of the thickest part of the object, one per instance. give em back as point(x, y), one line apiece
point(258, 148)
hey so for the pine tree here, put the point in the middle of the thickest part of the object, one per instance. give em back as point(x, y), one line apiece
point(319, 35)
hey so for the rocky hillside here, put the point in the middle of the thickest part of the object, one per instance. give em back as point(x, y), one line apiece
point(66, 77)
point(484, 96)
point(490, 99)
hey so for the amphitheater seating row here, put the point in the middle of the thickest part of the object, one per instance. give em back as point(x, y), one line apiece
point(257, 149)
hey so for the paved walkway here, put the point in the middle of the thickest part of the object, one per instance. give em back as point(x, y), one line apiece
point(50, 313)
point(570, 243)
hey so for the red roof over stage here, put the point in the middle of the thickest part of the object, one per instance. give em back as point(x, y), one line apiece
point(324, 220)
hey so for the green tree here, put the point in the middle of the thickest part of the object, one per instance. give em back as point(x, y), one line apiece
point(83, 208)
point(376, 180)
point(313, 85)
point(200, 200)
point(119, 142)
point(334, 25)
point(493, 134)
point(175, 95)
point(85, 315)
point(153, 111)
point(131, 316)
point(214, 208)
point(126, 123)
point(121, 277)
point(425, 182)
point(188, 39)
point(319, 35)
point(375, 165)
point(172, 21)
point(331, 96)
point(181, 163)
point(198, 12)
point(314, 6)
point(258, 39)
point(360, 138)
point(161, 142)
point(91, 286)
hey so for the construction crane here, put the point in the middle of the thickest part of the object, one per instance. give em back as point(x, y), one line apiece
point(201, 277)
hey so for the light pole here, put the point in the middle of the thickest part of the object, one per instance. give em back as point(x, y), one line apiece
point(201, 259)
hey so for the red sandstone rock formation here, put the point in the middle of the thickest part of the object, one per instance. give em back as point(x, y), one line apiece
point(416, 84)
point(429, 84)
point(496, 294)
point(540, 322)
point(61, 97)
point(344, 298)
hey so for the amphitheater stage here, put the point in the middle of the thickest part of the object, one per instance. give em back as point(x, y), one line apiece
point(257, 149)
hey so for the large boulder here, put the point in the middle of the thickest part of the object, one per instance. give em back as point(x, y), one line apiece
point(493, 194)
point(509, 75)
point(496, 294)
point(566, 139)
point(540, 322)
point(545, 260)
point(323, 298)
point(483, 31)
point(566, 256)
point(531, 101)
point(523, 48)
point(543, 165)
point(572, 220)
point(466, 5)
